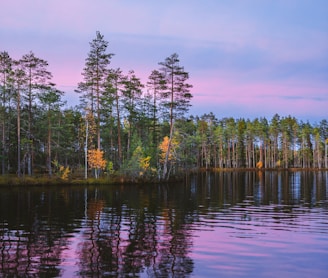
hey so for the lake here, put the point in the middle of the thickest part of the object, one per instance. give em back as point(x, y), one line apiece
point(223, 224)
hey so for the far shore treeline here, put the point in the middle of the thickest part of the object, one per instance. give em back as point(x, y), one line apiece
point(124, 130)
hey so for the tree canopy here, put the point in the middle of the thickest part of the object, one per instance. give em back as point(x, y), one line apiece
point(126, 128)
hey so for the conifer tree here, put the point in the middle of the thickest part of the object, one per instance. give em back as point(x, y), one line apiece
point(51, 102)
point(18, 82)
point(95, 74)
point(38, 79)
point(155, 85)
point(5, 95)
point(113, 96)
point(131, 100)
point(177, 95)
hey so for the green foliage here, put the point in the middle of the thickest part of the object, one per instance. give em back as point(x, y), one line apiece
point(130, 120)
point(61, 171)
point(110, 168)
point(138, 166)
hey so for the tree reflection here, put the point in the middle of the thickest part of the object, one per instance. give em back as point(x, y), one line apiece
point(128, 241)
point(31, 243)
point(120, 231)
point(260, 187)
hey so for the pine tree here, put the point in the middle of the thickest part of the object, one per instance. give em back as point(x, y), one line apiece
point(131, 100)
point(155, 85)
point(18, 83)
point(112, 98)
point(51, 102)
point(95, 74)
point(177, 95)
point(38, 80)
point(5, 96)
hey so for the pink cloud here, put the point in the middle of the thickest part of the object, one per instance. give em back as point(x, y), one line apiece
point(259, 99)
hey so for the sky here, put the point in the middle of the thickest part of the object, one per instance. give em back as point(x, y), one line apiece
point(245, 58)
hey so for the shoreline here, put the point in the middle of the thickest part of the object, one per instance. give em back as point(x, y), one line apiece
point(13, 180)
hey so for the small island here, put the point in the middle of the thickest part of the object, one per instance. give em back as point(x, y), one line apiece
point(124, 131)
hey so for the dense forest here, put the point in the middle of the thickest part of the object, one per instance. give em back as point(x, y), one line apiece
point(124, 128)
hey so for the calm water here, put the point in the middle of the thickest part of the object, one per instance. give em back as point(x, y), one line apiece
point(215, 225)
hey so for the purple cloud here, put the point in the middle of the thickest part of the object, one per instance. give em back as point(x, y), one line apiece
point(245, 58)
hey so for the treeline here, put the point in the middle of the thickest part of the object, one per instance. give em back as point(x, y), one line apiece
point(281, 142)
point(129, 129)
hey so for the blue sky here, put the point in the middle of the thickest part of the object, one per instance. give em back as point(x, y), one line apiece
point(246, 58)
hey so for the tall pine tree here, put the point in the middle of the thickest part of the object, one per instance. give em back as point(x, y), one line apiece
point(177, 95)
point(37, 81)
point(5, 96)
point(95, 74)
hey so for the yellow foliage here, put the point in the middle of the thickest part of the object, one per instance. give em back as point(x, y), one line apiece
point(65, 173)
point(96, 160)
point(144, 163)
point(88, 128)
point(92, 127)
point(164, 147)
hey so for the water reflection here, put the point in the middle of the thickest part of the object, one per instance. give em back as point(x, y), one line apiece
point(163, 231)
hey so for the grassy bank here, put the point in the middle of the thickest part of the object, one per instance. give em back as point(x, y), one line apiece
point(42, 180)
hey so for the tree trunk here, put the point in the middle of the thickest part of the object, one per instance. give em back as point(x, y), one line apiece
point(49, 146)
point(165, 175)
point(29, 131)
point(19, 170)
point(86, 149)
point(326, 150)
point(119, 145)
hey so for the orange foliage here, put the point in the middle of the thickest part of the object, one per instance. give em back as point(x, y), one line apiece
point(164, 147)
point(259, 165)
point(96, 160)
